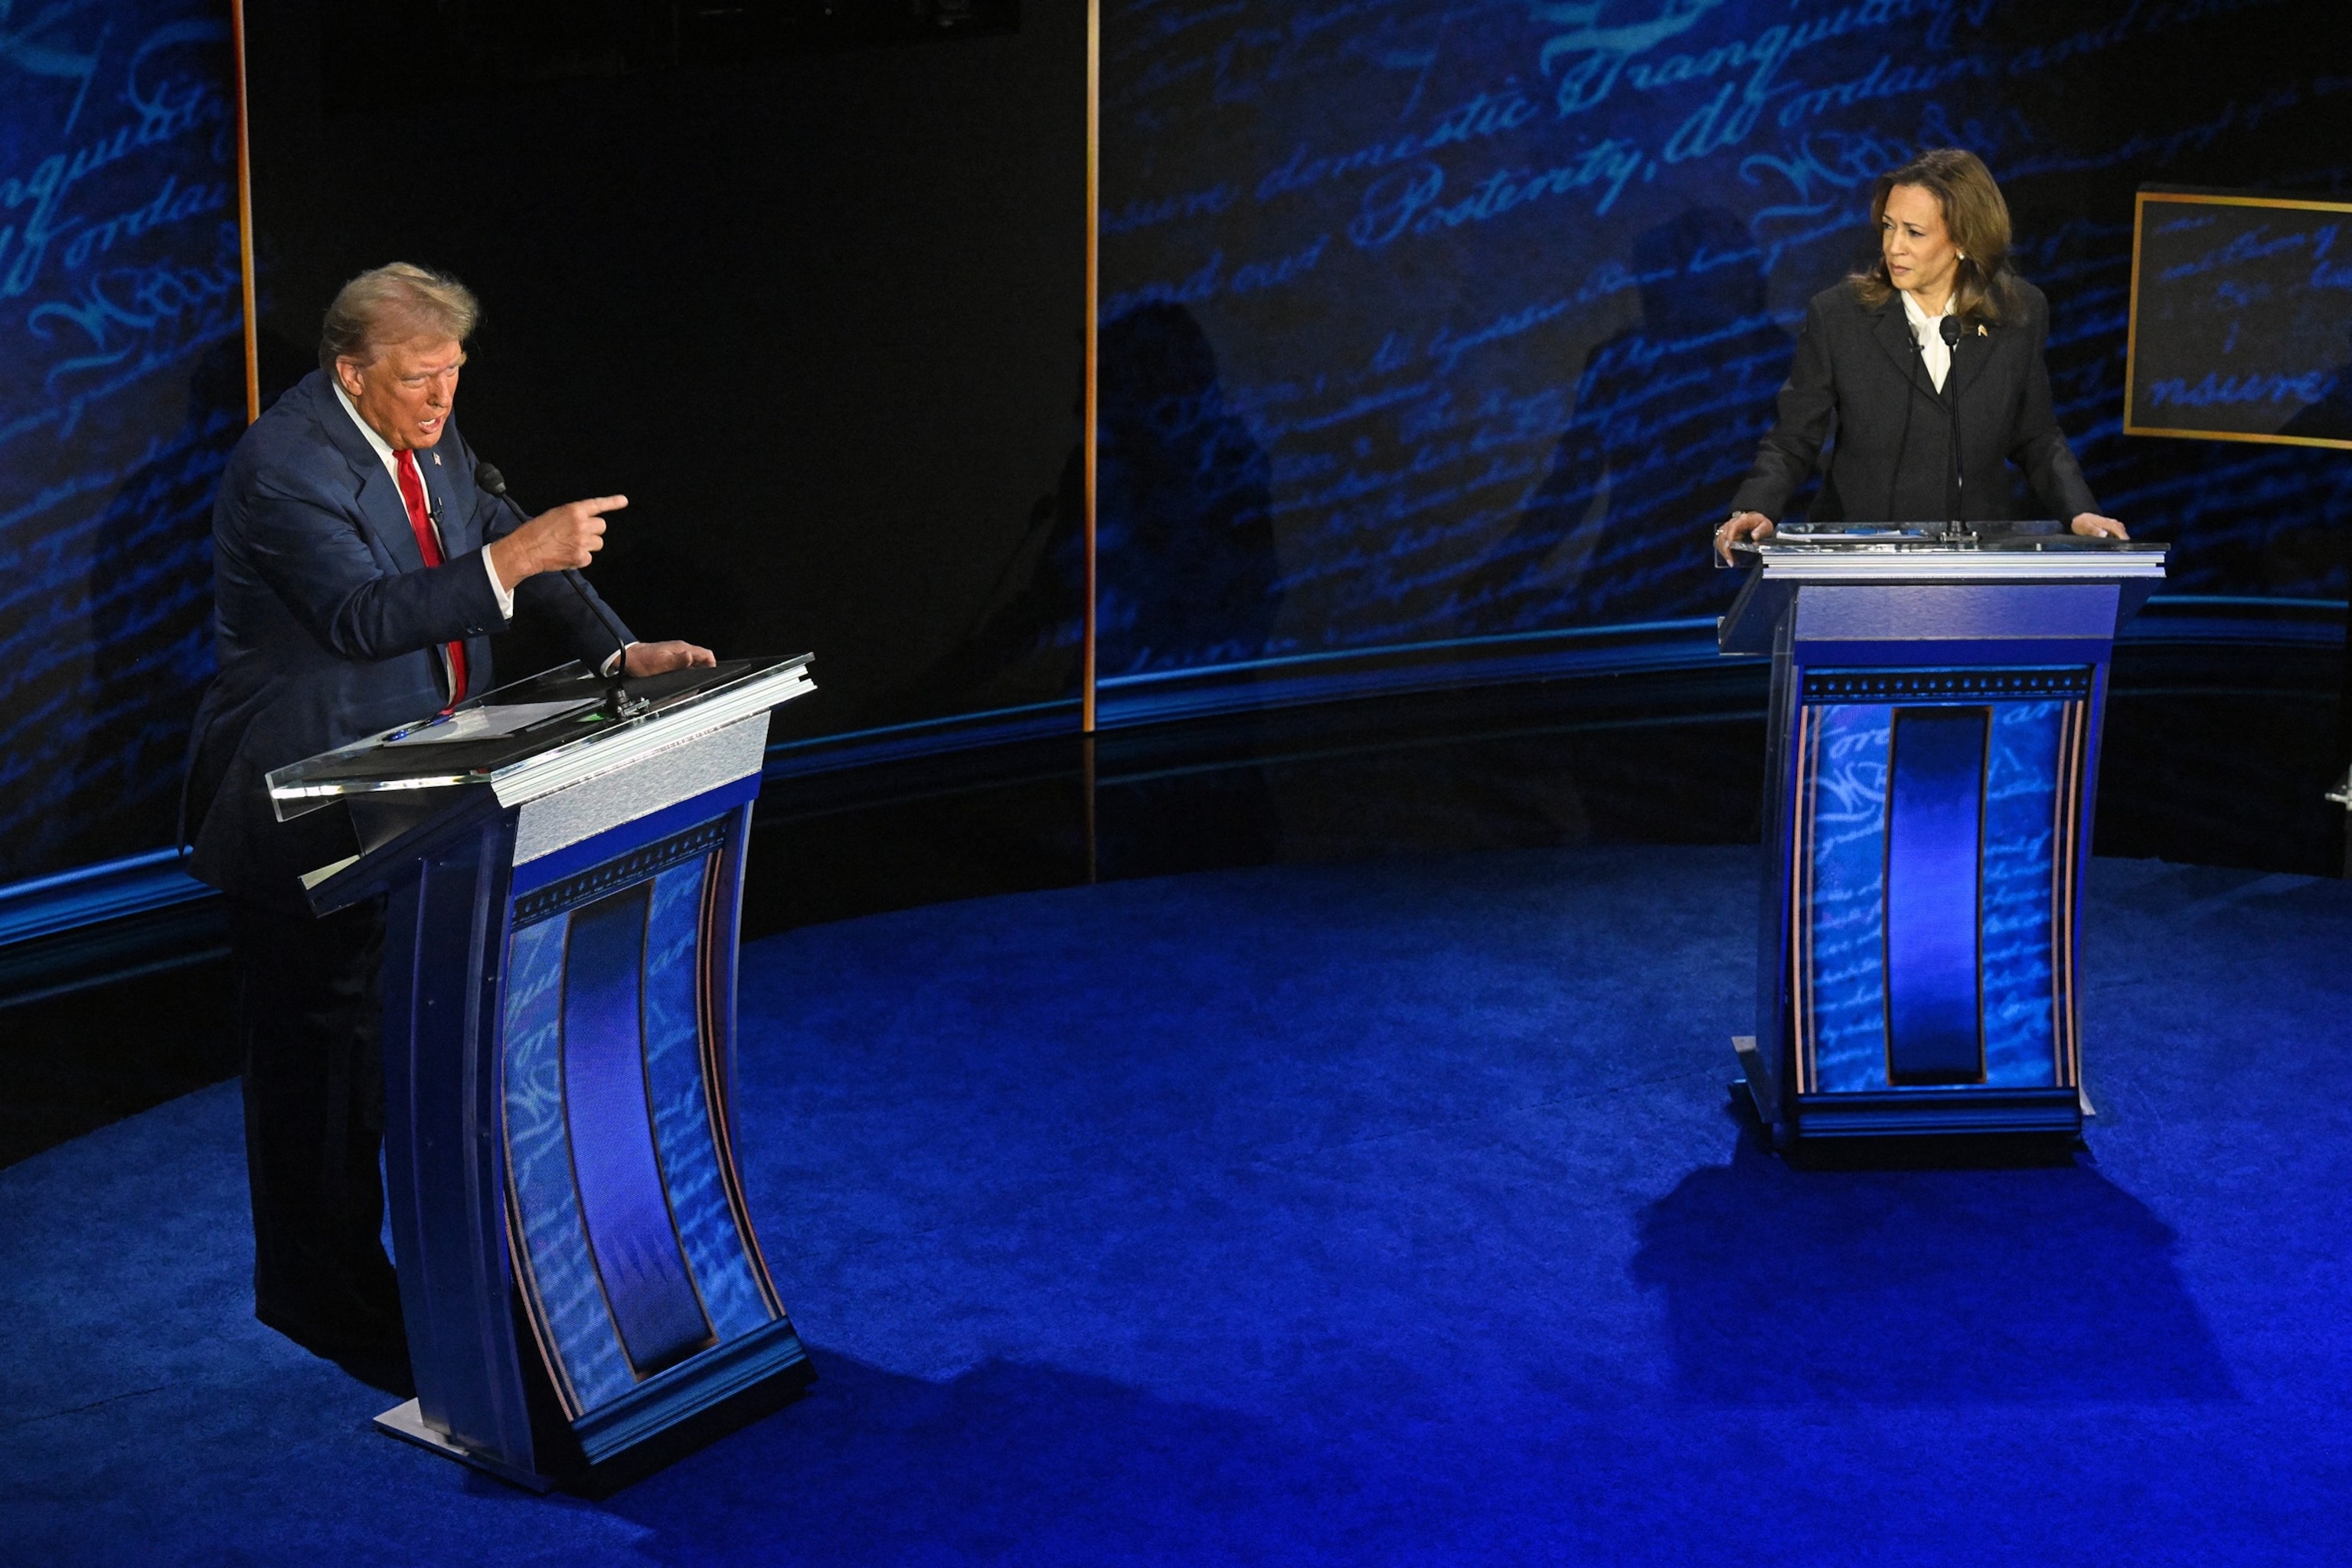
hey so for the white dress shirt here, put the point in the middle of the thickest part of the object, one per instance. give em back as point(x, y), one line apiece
point(1929, 332)
point(391, 460)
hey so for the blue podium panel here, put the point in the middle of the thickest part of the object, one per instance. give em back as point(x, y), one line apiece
point(1935, 713)
point(633, 1249)
point(1935, 856)
point(1930, 893)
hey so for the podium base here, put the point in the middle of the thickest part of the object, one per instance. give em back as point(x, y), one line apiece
point(733, 1392)
point(1901, 1113)
point(406, 1421)
point(1753, 1091)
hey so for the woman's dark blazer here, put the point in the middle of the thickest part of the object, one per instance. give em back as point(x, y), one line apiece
point(1859, 374)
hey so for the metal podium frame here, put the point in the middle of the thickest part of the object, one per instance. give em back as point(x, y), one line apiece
point(1930, 775)
point(578, 1270)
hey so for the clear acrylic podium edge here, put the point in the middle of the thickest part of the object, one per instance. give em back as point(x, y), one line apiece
point(294, 790)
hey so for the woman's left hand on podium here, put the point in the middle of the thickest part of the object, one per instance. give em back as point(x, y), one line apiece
point(1739, 526)
point(2091, 525)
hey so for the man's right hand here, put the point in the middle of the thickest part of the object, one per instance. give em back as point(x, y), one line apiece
point(564, 536)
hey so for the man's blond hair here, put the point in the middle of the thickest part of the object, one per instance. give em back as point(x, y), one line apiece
point(392, 304)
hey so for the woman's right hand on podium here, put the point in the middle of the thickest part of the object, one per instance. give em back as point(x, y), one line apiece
point(1740, 525)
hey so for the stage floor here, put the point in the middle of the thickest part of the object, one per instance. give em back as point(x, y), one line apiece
point(1385, 1212)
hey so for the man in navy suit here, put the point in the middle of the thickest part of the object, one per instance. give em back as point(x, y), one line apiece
point(358, 572)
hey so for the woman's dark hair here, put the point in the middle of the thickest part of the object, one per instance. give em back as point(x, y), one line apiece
point(1975, 216)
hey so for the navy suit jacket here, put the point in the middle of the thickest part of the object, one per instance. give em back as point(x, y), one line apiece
point(326, 620)
point(1858, 371)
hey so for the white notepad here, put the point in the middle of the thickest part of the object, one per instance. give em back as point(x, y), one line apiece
point(484, 723)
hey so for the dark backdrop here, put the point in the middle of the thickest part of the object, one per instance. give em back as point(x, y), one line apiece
point(819, 316)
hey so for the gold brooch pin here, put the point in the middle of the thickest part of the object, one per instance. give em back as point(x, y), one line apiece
point(1981, 333)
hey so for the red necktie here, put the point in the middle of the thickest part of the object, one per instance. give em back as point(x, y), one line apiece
point(411, 491)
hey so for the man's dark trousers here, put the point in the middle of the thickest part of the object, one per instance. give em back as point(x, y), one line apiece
point(310, 1032)
point(328, 622)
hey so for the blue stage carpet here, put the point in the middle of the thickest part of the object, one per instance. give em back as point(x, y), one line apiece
point(1368, 1214)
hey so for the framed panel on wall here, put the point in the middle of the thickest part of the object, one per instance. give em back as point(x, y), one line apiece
point(2241, 319)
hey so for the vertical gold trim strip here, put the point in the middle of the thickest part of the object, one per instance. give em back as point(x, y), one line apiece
point(1800, 899)
point(715, 964)
point(2075, 838)
point(2131, 306)
point(559, 1376)
point(1094, 298)
point(2062, 873)
point(2061, 839)
point(2069, 1041)
point(244, 216)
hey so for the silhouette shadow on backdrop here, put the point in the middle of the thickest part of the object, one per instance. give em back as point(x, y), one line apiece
point(1666, 420)
point(1184, 537)
point(1184, 525)
point(1964, 1287)
point(1022, 647)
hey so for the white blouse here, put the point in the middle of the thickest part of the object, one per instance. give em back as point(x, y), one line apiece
point(1925, 328)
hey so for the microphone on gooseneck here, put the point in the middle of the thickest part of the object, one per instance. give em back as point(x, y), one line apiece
point(1958, 496)
point(495, 484)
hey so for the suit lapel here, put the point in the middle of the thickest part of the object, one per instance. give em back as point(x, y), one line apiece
point(1975, 351)
point(1894, 335)
point(384, 510)
point(1893, 330)
point(375, 496)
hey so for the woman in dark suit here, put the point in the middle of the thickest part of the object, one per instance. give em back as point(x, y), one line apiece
point(1941, 336)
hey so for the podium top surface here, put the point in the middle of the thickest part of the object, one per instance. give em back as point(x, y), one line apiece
point(525, 740)
point(2023, 562)
point(1888, 553)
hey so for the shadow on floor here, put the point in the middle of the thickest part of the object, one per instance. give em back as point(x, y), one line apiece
point(1011, 1462)
point(1906, 1287)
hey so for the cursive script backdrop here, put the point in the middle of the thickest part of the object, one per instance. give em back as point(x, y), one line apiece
point(1426, 318)
point(121, 390)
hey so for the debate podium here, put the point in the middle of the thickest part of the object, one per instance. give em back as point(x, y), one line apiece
point(1931, 764)
point(582, 1285)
